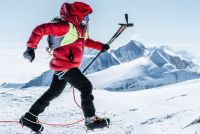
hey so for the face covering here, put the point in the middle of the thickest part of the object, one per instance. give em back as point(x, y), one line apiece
point(85, 21)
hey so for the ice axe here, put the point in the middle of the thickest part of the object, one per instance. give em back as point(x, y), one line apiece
point(121, 29)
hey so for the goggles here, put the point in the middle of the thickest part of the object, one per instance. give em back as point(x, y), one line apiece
point(85, 19)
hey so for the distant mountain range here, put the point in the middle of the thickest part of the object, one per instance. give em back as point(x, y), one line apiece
point(130, 67)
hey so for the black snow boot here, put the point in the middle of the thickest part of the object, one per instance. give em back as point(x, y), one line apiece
point(31, 121)
point(95, 122)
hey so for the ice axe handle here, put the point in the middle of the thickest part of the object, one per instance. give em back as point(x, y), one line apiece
point(127, 25)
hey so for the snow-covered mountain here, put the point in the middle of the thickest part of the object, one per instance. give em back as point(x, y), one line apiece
point(161, 66)
point(160, 57)
point(132, 66)
point(173, 109)
point(123, 54)
point(129, 52)
point(104, 61)
point(139, 74)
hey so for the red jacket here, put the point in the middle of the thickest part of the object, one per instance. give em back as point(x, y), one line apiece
point(73, 13)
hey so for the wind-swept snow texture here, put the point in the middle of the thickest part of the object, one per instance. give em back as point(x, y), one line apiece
point(173, 109)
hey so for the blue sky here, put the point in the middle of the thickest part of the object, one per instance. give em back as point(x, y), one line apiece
point(157, 22)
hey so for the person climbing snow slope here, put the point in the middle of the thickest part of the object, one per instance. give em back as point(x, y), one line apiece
point(68, 36)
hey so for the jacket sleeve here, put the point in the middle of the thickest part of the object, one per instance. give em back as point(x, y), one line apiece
point(54, 29)
point(93, 44)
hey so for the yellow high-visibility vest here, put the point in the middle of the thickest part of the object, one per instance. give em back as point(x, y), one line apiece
point(72, 35)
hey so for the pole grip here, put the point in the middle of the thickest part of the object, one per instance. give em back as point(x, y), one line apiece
point(126, 17)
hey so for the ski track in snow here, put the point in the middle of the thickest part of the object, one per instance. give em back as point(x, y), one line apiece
point(168, 110)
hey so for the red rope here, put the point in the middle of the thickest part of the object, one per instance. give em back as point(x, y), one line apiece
point(62, 125)
point(75, 98)
point(54, 124)
point(9, 122)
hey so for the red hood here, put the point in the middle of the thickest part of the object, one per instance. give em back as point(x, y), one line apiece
point(75, 12)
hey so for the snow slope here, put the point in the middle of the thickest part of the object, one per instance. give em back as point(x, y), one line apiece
point(120, 72)
point(141, 73)
point(173, 109)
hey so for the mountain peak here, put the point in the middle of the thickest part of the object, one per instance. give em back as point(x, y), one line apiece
point(130, 51)
point(164, 55)
point(168, 50)
point(136, 43)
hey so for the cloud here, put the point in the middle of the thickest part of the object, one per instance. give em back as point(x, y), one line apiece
point(135, 36)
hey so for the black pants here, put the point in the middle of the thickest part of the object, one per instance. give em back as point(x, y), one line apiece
point(77, 80)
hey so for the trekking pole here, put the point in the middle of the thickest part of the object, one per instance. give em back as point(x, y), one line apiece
point(114, 37)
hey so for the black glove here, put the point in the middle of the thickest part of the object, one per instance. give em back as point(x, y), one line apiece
point(29, 54)
point(105, 47)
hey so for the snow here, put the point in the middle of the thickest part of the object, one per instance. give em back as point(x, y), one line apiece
point(165, 110)
point(169, 51)
point(13, 63)
point(141, 73)
point(120, 72)
point(132, 66)
point(172, 109)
